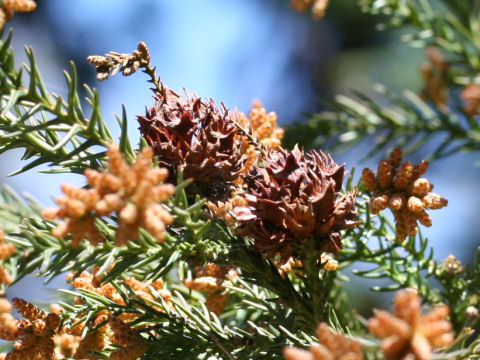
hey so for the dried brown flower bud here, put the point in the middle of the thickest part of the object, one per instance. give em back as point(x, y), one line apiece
point(127, 64)
point(293, 196)
point(408, 333)
point(332, 346)
point(404, 192)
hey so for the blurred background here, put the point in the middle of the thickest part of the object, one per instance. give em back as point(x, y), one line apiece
point(234, 52)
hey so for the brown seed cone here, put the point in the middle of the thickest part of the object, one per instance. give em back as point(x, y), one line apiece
point(196, 136)
point(293, 196)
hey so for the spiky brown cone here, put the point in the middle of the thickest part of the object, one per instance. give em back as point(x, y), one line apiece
point(196, 136)
point(294, 196)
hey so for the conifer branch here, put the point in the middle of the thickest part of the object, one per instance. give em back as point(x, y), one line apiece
point(52, 130)
point(450, 25)
point(404, 121)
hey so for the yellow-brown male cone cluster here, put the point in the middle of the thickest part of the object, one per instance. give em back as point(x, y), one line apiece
point(318, 7)
point(132, 344)
point(9, 7)
point(66, 343)
point(208, 279)
point(296, 265)
point(134, 193)
point(399, 187)
point(92, 282)
point(263, 126)
point(407, 334)
point(331, 346)
point(6, 250)
point(34, 336)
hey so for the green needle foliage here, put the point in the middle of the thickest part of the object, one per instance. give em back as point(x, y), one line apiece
point(209, 289)
point(51, 130)
point(405, 121)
